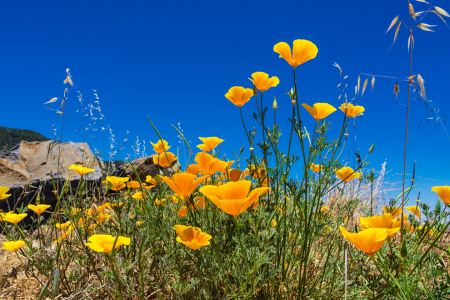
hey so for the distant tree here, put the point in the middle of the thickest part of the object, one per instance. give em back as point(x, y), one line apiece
point(9, 137)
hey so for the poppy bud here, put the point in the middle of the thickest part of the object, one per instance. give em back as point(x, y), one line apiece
point(404, 251)
point(275, 106)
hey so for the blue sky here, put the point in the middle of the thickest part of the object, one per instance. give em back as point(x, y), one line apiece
point(174, 60)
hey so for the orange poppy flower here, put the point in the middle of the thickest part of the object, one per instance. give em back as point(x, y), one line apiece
point(442, 191)
point(192, 237)
point(208, 163)
point(164, 159)
point(351, 110)
point(182, 212)
point(303, 51)
point(193, 169)
point(239, 95)
point(415, 210)
point(80, 169)
point(63, 226)
point(133, 184)
point(233, 197)
point(395, 211)
point(384, 221)
point(105, 242)
point(262, 81)
point(235, 174)
point(369, 240)
point(13, 246)
point(38, 209)
point(347, 174)
point(316, 168)
point(13, 218)
point(209, 143)
point(160, 146)
point(3, 192)
point(183, 184)
point(117, 183)
point(137, 195)
point(151, 180)
point(319, 110)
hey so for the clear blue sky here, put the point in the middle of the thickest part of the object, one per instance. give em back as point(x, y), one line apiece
point(174, 60)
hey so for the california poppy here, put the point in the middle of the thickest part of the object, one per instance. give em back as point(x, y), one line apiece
point(117, 183)
point(442, 191)
point(239, 95)
point(13, 246)
point(303, 51)
point(38, 209)
point(316, 168)
point(262, 81)
point(80, 169)
point(192, 237)
point(14, 218)
point(209, 164)
point(369, 240)
point(233, 197)
point(319, 110)
point(209, 143)
point(347, 174)
point(351, 110)
point(183, 184)
point(104, 243)
point(3, 192)
point(164, 159)
point(161, 146)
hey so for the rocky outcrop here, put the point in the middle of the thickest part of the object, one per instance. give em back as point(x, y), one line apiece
point(32, 167)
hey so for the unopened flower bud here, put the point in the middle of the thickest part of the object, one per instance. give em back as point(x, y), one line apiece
point(275, 106)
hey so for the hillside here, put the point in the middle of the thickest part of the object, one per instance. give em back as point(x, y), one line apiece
point(9, 137)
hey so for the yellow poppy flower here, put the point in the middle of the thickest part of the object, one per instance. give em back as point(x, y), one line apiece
point(116, 205)
point(442, 191)
point(193, 169)
point(209, 143)
point(319, 110)
point(63, 226)
point(104, 242)
point(13, 246)
point(182, 212)
point(160, 146)
point(303, 51)
point(133, 184)
point(262, 81)
point(274, 222)
point(369, 240)
point(235, 174)
point(192, 237)
point(102, 217)
point(347, 174)
point(64, 235)
point(233, 197)
point(316, 168)
point(164, 159)
point(183, 184)
point(80, 169)
point(325, 209)
point(117, 183)
point(351, 110)
point(151, 180)
point(415, 210)
point(3, 192)
point(139, 223)
point(137, 195)
point(208, 163)
point(239, 95)
point(384, 221)
point(38, 209)
point(395, 211)
point(14, 218)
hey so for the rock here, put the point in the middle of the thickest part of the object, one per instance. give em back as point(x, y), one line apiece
point(28, 168)
point(144, 166)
